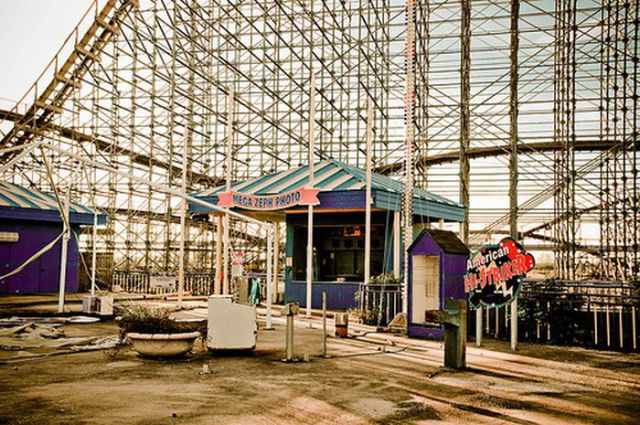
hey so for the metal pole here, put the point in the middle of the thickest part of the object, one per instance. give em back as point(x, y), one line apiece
point(479, 327)
point(620, 331)
point(310, 215)
point(276, 259)
point(595, 324)
point(465, 113)
point(513, 163)
point(217, 280)
point(183, 219)
point(465, 132)
point(634, 333)
point(324, 324)
point(94, 251)
point(368, 200)
point(396, 244)
point(409, 146)
point(230, 116)
point(289, 337)
point(608, 321)
point(64, 253)
point(269, 275)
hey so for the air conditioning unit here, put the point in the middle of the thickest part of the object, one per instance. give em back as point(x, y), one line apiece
point(102, 306)
point(231, 326)
point(89, 304)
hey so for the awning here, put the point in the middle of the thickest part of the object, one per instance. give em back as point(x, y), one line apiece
point(19, 203)
point(336, 180)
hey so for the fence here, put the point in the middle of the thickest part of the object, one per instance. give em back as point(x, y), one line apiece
point(591, 314)
point(379, 303)
point(200, 283)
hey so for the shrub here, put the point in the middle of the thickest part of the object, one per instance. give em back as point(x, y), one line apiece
point(148, 320)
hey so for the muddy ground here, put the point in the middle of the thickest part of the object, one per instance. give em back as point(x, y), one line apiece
point(373, 379)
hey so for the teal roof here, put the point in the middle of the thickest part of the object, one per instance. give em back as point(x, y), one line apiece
point(335, 176)
point(17, 202)
point(14, 196)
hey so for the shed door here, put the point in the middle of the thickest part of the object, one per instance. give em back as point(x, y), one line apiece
point(426, 286)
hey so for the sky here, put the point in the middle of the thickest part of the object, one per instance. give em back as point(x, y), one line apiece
point(31, 32)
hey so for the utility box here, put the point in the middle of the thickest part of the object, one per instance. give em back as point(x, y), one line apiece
point(89, 304)
point(102, 306)
point(231, 326)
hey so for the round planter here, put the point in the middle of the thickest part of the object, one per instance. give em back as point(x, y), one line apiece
point(163, 345)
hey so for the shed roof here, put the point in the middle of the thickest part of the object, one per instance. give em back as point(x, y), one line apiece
point(447, 241)
point(20, 203)
point(334, 176)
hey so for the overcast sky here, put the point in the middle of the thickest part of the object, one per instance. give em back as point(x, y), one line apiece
point(31, 31)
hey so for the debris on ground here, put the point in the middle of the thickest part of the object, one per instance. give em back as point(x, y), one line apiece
point(46, 340)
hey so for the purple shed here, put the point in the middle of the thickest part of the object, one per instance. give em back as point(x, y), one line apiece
point(437, 263)
point(29, 221)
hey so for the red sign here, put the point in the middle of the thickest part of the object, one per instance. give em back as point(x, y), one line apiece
point(495, 273)
point(302, 196)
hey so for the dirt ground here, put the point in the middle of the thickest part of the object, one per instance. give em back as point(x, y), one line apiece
point(371, 379)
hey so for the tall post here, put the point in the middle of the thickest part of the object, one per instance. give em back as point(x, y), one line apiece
point(513, 160)
point(396, 244)
point(276, 259)
point(217, 281)
point(312, 124)
point(225, 266)
point(183, 219)
point(465, 132)
point(408, 145)
point(94, 250)
point(65, 249)
point(368, 200)
point(186, 147)
point(269, 275)
point(465, 113)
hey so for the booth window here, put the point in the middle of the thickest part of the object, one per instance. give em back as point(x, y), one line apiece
point(338, 253)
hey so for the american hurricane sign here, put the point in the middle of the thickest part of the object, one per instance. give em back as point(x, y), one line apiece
point(495, 273)
point(302, 196)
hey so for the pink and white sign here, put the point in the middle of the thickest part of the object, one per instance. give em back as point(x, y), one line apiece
point(302, 196)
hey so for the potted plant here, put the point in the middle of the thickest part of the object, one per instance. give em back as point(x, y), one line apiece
point(154, 333)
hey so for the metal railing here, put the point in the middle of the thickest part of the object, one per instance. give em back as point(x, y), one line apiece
point(379, 303)
point(196, 283)
point(592, 314)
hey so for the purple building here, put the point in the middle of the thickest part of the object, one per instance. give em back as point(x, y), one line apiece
point(437, 261)
point(29, 221)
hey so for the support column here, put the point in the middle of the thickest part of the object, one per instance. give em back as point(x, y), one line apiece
point(513, 159)
point(312, 94)
point(409, 147)
point(269, 275)
point(368, 200)
point(396, 244)
point(465, 132)
point(65, 249)
point(465, 113)
point(225, 267)
point(276, 259)
point(217, 284)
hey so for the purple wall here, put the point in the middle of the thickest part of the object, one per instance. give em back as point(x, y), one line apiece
point(340, 296)
point(43, 274)
point(452, 269)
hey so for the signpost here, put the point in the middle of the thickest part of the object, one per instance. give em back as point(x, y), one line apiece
point(237, 264)
point(495, 274)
